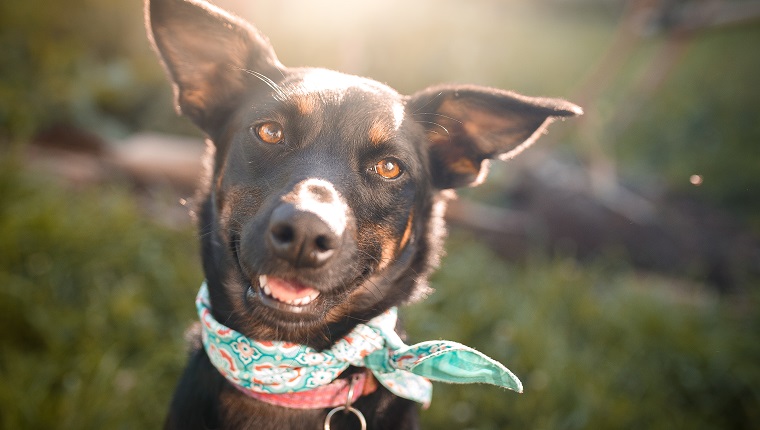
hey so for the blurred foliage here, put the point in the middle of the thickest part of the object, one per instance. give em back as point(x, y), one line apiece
point(596, 348)
point(80, 62)
point(95, 299)
point(93, 305)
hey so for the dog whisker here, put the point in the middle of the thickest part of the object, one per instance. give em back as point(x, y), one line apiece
point(439, 114)
point(432, 99)
point(280, 94)
point(437, 125)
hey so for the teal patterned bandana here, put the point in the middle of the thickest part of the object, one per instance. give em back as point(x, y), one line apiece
point(275, 367)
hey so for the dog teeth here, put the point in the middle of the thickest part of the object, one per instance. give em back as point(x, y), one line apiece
point(308, 299)
point(301, 301)
point(264, 287)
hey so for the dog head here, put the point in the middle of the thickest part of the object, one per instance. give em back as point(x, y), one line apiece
point(325, 196)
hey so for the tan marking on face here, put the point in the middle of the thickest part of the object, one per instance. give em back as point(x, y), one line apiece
point(380, 132)
point(389, 251)
point(388, 243)
point(407, 232)
point(306, 104)
point(226, 209)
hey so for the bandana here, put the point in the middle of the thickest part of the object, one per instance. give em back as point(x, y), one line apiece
point(276, 367)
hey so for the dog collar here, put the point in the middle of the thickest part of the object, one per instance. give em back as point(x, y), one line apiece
point(263, 368)
point(340, 392)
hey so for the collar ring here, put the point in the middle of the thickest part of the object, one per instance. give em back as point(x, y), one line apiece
point(347, 408)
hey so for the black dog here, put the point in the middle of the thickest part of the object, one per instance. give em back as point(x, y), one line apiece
point(324, 201)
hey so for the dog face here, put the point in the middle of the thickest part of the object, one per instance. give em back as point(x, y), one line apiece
point(317, 194)
point(325, 195)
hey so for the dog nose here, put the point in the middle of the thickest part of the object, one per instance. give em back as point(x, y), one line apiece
point(301, 238)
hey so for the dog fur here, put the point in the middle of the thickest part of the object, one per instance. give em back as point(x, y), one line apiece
point(333, 183)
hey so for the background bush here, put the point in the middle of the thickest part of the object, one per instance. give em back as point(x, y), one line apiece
point(95, 299)
point(595, 348)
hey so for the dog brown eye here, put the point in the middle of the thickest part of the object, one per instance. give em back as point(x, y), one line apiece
point(270, 132)
point(388, 168)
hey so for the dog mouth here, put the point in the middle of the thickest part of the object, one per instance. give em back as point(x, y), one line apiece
point(286, 298)
point(294, 294)
point(286, 295)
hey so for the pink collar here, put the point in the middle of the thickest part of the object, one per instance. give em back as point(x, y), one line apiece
point(326, 396)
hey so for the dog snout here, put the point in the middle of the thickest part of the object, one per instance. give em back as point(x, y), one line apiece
point(301, 238)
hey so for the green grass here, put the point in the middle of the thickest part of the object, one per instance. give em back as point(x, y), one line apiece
point(95, 297)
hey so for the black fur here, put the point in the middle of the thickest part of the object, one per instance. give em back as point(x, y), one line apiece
point(335, 130)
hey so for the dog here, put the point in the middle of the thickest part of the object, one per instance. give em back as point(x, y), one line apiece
point(322, 211)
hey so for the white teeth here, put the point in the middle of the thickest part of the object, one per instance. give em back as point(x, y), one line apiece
point(304, 300)
point(301, 301)
point(264, 287)
point(308, 299)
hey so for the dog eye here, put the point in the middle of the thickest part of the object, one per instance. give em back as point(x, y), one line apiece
point(270, 132)
point(388, 168)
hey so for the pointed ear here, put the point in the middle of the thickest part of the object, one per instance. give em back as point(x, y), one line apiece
point(468, 125)
point(205, 52)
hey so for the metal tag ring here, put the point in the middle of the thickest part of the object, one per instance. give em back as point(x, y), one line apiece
point(348, 409)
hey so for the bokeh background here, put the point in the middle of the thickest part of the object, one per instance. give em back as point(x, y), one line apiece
point(614, 266)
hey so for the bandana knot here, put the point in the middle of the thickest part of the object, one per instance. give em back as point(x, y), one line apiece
point(276, 367)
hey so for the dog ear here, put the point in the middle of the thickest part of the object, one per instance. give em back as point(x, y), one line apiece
point(206, 53)
point(468, 125)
